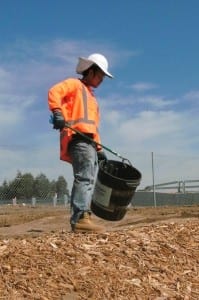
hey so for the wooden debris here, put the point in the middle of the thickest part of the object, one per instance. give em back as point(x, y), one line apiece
point(150, 262)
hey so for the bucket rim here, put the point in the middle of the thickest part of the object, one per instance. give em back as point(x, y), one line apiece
point(131, 181)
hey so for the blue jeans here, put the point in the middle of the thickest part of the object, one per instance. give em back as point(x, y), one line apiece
point(84, 163)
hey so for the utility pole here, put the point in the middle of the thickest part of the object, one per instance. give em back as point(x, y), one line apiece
point(153, 176)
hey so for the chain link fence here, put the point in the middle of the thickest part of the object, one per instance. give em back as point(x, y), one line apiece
point(164, 178)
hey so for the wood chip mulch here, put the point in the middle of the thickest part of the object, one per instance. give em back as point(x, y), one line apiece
point(154, 262)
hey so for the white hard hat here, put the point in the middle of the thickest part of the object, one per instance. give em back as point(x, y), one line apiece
point(98, 59)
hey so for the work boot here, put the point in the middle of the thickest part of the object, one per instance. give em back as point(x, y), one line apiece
point(85, 224)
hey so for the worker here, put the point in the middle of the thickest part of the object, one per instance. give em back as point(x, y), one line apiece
point(75, 109)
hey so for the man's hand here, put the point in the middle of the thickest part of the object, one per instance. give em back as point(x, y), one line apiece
point(101, 156)
point(58, 120)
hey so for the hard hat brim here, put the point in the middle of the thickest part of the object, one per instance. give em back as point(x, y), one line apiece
point(85, 63)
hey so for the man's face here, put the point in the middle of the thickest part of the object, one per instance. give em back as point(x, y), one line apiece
point(95, 78)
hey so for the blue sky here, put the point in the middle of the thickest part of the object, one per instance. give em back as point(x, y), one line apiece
point(151, 105)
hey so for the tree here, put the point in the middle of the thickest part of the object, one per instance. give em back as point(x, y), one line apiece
point(4, 191)
point(25, 186)
point(41, 187)
point(61, 187)
point(53, 188)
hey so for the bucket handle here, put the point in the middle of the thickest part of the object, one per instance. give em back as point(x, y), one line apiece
point(91, 140)
point(128, 161)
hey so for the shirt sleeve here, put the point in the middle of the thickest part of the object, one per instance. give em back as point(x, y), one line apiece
point(60, 91)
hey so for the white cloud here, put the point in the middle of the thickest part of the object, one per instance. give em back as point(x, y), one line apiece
point(150, 124)
point(5, 78)
point(161, 131)
point(112, 117)
point(156, 101)
point(143, 86)
point(133, 102)
point(192, 95)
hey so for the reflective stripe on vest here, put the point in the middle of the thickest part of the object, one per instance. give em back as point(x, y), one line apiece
point(85, 105)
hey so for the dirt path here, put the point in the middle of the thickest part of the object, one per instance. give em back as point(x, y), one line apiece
point(136, 217)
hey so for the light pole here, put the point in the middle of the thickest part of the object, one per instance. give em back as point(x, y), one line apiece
point(153, 176)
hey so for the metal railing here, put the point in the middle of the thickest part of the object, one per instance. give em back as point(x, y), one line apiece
point(177, 186)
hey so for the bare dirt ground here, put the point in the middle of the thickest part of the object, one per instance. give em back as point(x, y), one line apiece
point(152, 253)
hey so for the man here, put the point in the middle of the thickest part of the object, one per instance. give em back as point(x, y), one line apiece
point(74, 106)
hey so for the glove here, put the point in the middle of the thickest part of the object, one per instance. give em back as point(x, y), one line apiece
point(58, 120)
point(101, 156)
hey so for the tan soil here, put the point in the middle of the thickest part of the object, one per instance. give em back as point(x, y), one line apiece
point(152, 253)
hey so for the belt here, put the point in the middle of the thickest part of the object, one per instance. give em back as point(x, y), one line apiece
point(79, 136)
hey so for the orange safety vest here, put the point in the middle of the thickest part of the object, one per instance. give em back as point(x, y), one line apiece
point(79, 108)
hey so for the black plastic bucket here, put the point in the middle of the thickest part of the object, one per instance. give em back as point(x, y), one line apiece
point(114, 189)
